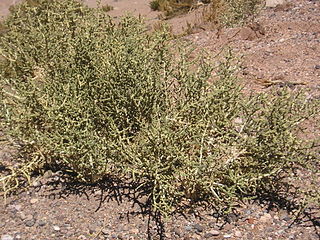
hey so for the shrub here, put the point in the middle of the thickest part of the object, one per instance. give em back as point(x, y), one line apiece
point(231, 12)
point(107, 8)
point(224, 12)
point(103, 99)
point(172, 7)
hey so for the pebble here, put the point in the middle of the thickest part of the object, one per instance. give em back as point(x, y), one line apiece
point(22, 216)
point(34, 200)
point(177, 232)
point(48, 174)
point(17, 207)
point(195, 236)
point(93, 228)
point(232, 217)
point(212, 233)
point(6, 237)
point(105, 231)
point(188, 228)
point(198, 227)
point(238, 234)
point(250, 220)
point(134, 231)
point(56, 228)
point(36, 184)
point(227, 236)
point(41, 223)
point(30, 223)
point(266, 218)
point(97, 192)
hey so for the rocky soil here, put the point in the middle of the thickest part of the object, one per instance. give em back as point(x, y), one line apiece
point(280, 48)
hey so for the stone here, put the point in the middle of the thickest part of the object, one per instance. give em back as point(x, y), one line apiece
point(22, 216)
point(17, 207)
point(6, 237)
point(195, 236)
point(30, 223)
point(250, 220)
point(48, 174)
point(34, 200)
point(212, 233)
point(266, 218)
point(93, 228)
point(273, 3)
point(134, 231)
point(56, 228)
point(105, 232)
point(36, 184)
point(227, 236)
point(177, 232)
point(41, 223)
point(98, 193)
point(188, 228)
point(238, 234)
point(198, 227)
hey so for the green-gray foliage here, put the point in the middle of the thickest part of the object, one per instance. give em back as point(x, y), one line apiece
point(100, 98)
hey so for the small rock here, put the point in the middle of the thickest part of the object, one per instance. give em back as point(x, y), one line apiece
point(36, 184)
point(250, 220)
point(266, 218)
point(231, 217)
point(212, 224)
point(198, 227)
point(22, 216)
point(30, 223)
point(238, 234)
point(134, 231)
point(273, 3)
point(34, 200)
point(56, 228)
point(283, 215)
point(317, 66)
point(17, 207)
point(227, 236)
point(48, 174)
point(93, 228)
point(41, 223)
point(212, 233)
point(105, 231)
point(29, 217)
point(228, 227)
point(195, 236)
point(177, 232)
point(6, 237)
point(98, 193)
point(188, 228)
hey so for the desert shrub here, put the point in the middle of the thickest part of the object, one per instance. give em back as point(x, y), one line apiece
point(231, 12)
point(223, 12)
point(99, 99)
point(107, 7)
point(172, 7)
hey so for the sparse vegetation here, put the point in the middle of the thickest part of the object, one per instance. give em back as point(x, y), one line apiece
point(100, 99)
point(107, 8)
point(224, 12)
